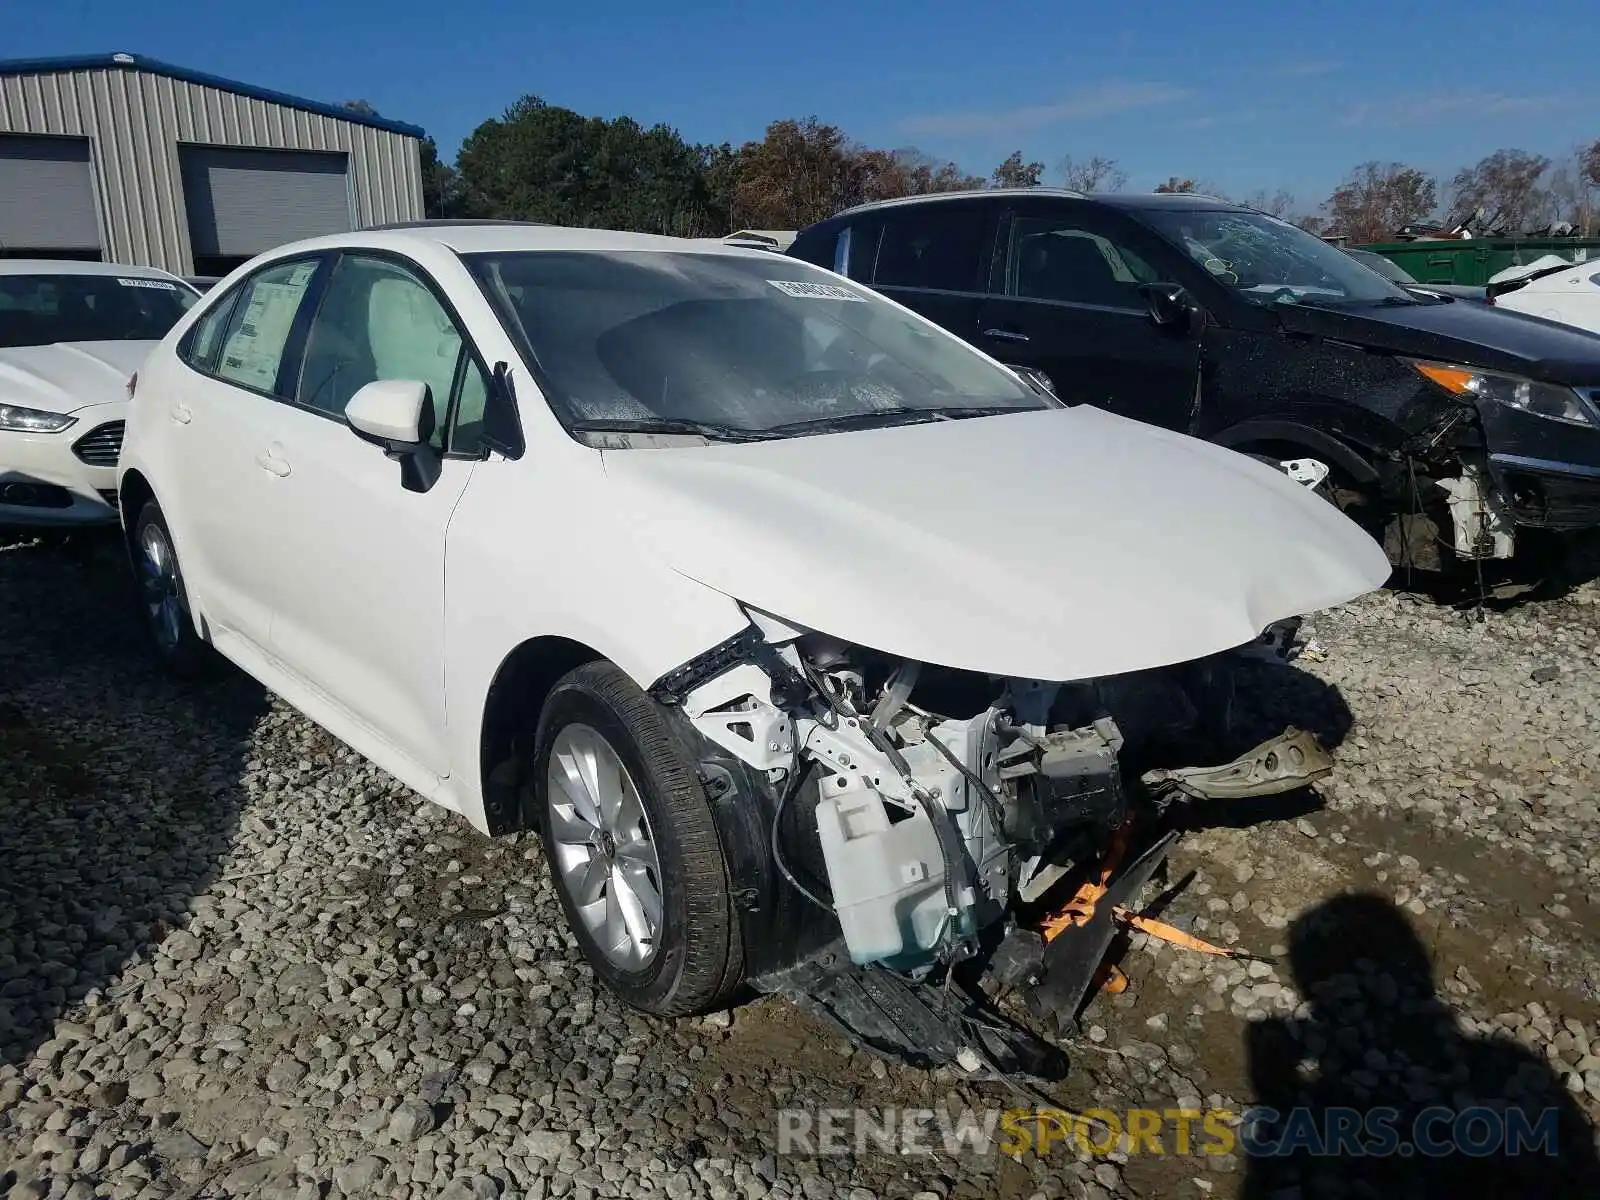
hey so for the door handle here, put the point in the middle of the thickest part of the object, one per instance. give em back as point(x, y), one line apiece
point(181, 413)
point(269, 460)
point(1006, 335)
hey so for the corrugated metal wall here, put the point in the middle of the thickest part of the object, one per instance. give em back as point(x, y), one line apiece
point(136, 120)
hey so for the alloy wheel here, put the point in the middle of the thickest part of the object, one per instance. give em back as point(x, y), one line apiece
point(604, 850)
point(158, 582)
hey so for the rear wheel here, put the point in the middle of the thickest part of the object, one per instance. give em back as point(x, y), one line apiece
point(162, 599)
point(633, 846)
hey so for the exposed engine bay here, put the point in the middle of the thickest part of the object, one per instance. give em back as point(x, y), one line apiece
point(932, 818)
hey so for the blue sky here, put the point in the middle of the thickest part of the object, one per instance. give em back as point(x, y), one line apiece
point(1240, 95)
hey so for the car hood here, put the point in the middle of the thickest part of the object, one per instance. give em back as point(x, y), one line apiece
point(67, 376)
point(1475, 334)
point(1060, 544)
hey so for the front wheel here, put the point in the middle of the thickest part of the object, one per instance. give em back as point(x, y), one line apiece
point(633, 846)
point(162, 599)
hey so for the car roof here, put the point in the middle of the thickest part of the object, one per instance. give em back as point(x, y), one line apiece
point(74, 266)
point(478, 237)
point(1126, 200)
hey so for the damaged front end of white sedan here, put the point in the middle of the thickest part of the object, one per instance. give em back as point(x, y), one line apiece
point(968, 846)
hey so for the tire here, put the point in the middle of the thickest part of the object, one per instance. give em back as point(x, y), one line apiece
point(162, 597)
point(692, 961)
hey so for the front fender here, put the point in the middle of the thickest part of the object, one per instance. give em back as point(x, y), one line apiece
point(533, 552)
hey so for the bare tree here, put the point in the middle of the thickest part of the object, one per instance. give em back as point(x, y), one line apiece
point(1572, 190)
point(1505, 187)
point(1098, 174)
point(1176, 184)
point(1016, 173)
point(1279, 203)
point(1377, 198)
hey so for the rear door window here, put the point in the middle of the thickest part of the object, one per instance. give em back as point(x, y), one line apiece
point(940, 245)
point(261, 325)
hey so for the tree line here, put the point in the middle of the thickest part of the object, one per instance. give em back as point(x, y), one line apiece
point(541, 162)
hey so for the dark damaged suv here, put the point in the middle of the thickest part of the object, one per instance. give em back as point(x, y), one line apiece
point(1429, 419)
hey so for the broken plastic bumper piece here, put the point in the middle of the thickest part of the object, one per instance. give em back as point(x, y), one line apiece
point(1292, 760)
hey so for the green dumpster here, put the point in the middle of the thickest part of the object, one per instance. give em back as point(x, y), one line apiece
point(1472, 262)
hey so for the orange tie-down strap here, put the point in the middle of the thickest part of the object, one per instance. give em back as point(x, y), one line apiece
point(1078, 911)
point(1185, 941)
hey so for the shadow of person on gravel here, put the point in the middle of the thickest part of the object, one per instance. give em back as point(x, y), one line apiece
point(119, 789)
point(1377, 1092)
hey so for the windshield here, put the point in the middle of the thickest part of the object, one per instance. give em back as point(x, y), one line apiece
point(39, 310)
point(1268, 261)
point(1391, 271)
point(744, 345)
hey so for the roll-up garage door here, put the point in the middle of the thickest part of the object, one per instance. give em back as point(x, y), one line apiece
point(46, 195)
point(242, 202)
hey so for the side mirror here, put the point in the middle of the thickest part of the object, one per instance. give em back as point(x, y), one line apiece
point(1170, 305)
point(397, 414)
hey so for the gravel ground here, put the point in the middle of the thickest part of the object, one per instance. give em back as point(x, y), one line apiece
point(237, 960)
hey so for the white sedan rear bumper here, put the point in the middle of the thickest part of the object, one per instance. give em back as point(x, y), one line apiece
point(49, 480)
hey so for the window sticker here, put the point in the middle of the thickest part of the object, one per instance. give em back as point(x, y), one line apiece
point(815, 291)
point(253, 351)
point(160, 284)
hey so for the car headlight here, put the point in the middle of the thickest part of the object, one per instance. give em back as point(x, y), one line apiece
point(1528, 395)
point(30, 420)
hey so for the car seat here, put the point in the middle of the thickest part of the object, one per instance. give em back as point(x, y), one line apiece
point(411, 337)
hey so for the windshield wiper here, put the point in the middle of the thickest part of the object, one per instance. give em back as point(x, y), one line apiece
point(1346, 303)
point(705, 429)
point(879, 418)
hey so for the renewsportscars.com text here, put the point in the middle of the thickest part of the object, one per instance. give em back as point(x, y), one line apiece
point(1253, 1132)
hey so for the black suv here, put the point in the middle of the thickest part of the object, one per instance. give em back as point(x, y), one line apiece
point(1415, 412)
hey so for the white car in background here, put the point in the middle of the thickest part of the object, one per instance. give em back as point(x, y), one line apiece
point(772, 606)
point(71, 334)
point(1552, 288)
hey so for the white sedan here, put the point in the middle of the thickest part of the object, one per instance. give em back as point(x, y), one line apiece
point(71, 334)
point(778, 611)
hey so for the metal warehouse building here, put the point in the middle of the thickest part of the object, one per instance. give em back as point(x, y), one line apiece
point(120, 158)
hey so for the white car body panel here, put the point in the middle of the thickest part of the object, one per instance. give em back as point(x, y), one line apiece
point(372, 634)
point(1571, 297)
point(67, 376)
point(1054, 545)
point(89, 382)
point(226, 501)
point(581, 578)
